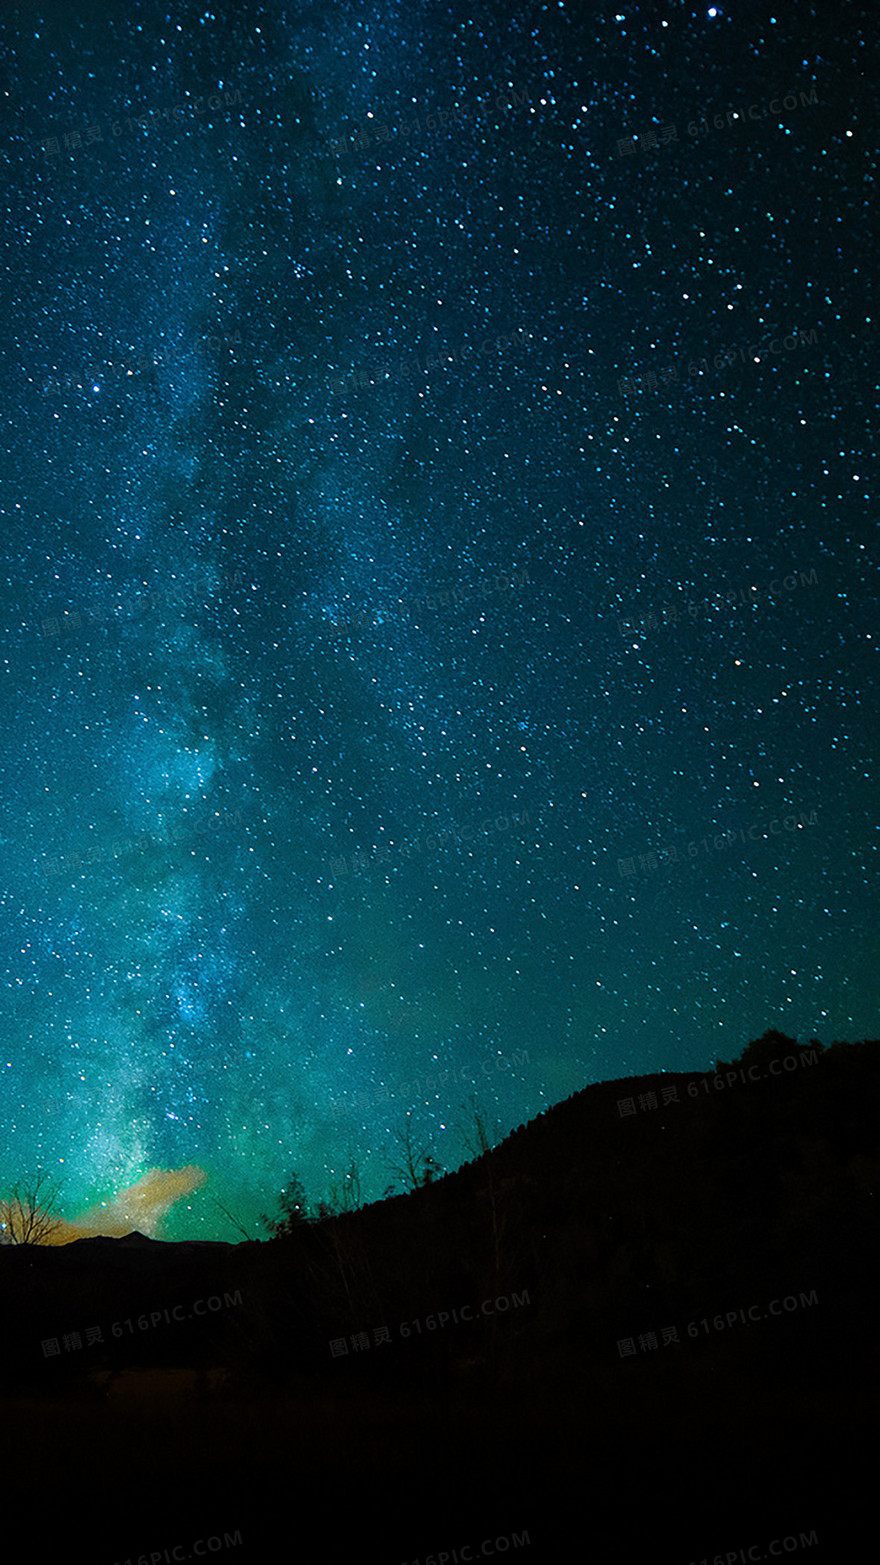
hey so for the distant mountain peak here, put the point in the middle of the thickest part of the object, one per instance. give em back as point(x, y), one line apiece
point(133, 1241)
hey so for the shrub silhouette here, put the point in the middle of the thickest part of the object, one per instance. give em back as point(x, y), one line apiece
point(294, 1211)
point(771, 1046)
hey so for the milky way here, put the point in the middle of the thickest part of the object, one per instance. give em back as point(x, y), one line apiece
point(439, 572)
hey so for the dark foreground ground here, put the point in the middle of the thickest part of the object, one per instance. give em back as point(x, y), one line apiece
point(242, 1436)
point(661, 1471)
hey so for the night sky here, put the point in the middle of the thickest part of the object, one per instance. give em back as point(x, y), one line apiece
point(439, 597)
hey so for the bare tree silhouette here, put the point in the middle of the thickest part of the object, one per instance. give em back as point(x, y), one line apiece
point(414, 1168)
point(345, 1196)
point(476, 1133)
point(234, 1220)
point(26, 1216)
point(478, 1140)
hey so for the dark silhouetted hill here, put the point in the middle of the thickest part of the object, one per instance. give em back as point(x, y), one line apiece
point(320, 1364)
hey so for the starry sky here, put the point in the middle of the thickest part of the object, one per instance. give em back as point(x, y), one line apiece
point(438, 575)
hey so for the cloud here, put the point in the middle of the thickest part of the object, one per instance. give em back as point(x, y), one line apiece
point(140, 1206)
